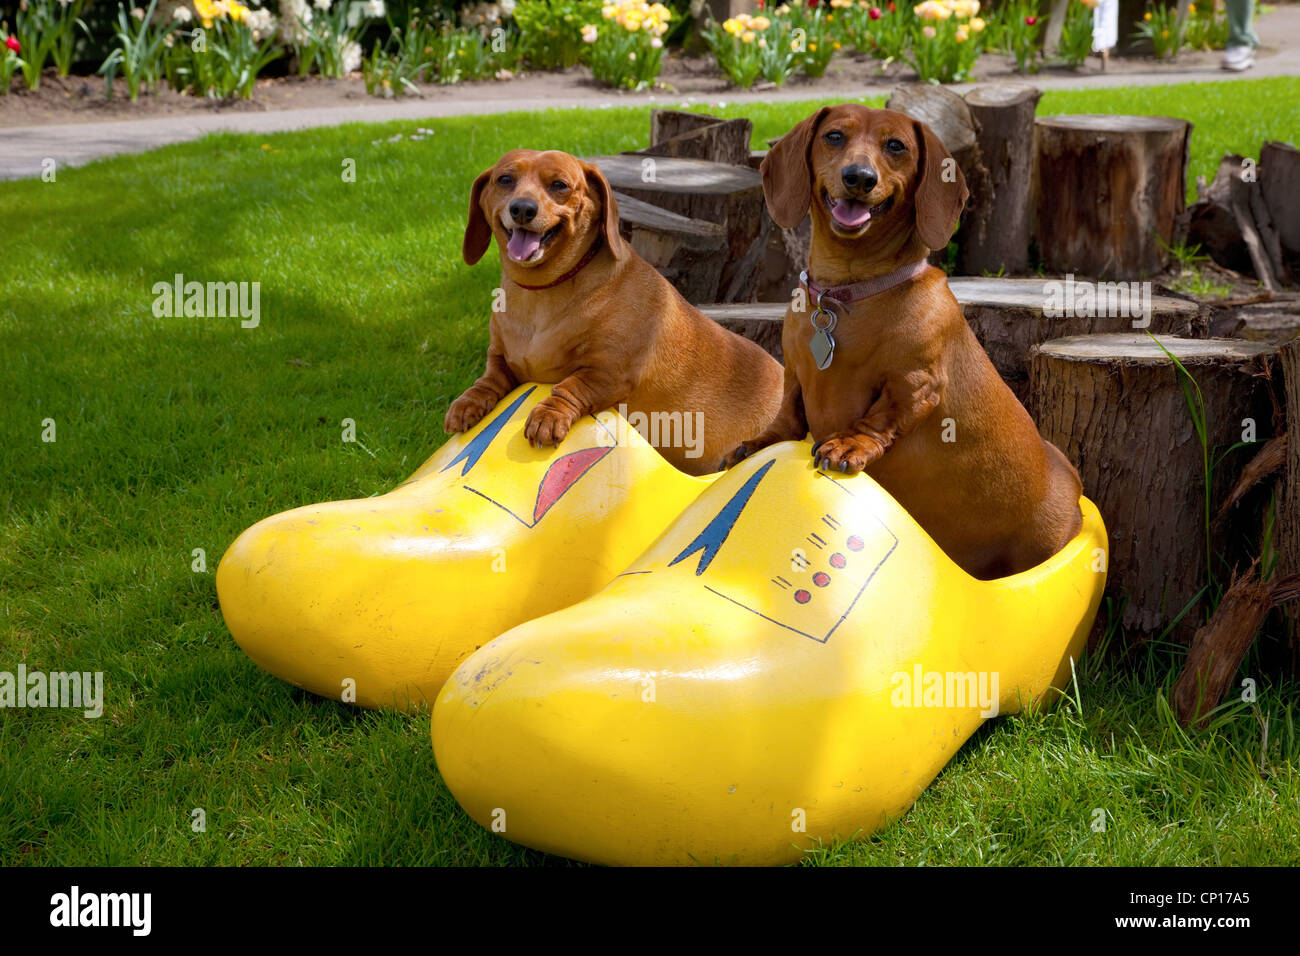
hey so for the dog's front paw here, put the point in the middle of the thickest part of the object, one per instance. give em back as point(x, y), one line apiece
point(467, 411)
point(743, 451)
point(549, 422)
point(847, 453)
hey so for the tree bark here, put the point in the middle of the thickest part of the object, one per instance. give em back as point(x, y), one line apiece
point(1115, 406)
point(1279, 178)
point(1110, 192)
point(1288, 517)
point(998, 224)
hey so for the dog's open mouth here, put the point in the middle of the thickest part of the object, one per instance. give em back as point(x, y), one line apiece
point(852, 215)
point(526, 245)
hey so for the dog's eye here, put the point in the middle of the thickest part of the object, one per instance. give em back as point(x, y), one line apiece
point(895, 146)
point(505, 179)
point(559, 185)
point(834, 137)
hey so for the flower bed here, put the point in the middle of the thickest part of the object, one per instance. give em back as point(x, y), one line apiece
point(219, 48)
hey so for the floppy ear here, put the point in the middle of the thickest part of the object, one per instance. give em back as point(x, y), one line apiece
point(787, 173)
point(599, 186)
point(938, 202)
point(478, 234)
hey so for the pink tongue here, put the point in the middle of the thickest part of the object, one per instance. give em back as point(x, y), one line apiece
point(523, 244)
point(850, 212)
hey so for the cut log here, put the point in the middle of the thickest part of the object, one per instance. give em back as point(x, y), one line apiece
point(999, 223)
point(1231, 221)
point(730, 196)
point(699, 136)
point(1010, 316)
point(1110, 192)
point(1279, 178)
point(950, 119)
point(1115, 406)
point(689, 252)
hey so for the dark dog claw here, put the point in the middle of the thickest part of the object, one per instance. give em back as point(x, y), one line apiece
point(844, 466)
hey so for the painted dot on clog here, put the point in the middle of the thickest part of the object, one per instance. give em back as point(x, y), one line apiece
point(837, 560)
point(821, 579)
point(855, 543)
point(802, 596)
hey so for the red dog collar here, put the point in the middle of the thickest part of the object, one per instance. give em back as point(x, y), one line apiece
point(582, 264)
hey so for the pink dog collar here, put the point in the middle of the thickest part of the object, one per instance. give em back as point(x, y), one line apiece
point(845, 294)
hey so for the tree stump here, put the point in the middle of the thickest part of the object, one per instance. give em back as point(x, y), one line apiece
point(730, 196)
point(1114, 404)
point(699, 136)
point(690, 253)
point(998, 223)
point(1279, 169)
point(1231, 221)
point(1010, 316)
point(1110, 191)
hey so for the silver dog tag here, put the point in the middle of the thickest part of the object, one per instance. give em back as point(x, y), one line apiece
point(822, 347)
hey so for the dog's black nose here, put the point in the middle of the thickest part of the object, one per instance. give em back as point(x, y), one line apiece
point(859, 177)
point(523, 210)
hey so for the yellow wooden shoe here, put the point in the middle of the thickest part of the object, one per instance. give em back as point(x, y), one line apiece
point(376, 600)
point(794, 659)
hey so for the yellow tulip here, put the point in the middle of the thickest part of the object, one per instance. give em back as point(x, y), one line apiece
point(977, 24)
point(1146, 16)
point(732, 26)
point(760, 23)
point(747, 36)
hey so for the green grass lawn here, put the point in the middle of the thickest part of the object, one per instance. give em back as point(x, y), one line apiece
point(176, 434)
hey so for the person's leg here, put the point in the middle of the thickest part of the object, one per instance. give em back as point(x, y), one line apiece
point(1240, 53)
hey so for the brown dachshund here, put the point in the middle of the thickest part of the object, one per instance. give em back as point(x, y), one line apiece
point(907, 393)
point(585, 313)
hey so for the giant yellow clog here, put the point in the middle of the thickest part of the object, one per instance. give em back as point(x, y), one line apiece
point(376, 600)
point(794, 659)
